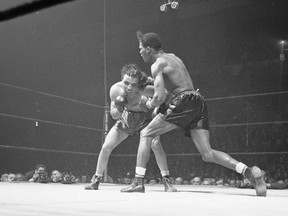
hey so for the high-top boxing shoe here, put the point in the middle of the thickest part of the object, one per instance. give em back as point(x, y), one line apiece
point(256, 177)
point(136, 186)
point(94, 185)
point(168, 187)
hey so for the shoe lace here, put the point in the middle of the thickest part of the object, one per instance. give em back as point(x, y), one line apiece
point(166, 180)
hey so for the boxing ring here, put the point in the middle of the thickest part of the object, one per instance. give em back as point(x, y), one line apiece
point(64, 128)
point(73, 126)
point(58, 199)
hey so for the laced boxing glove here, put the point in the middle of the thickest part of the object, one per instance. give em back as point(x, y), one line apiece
point(120, 102)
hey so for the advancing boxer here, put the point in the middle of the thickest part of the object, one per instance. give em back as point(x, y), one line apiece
point(186, 109)
point(128, 108)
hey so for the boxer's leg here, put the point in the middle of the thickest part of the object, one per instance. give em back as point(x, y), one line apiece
point(201, 138)
point(155, 128)
point(161, 160)
point(114, 137)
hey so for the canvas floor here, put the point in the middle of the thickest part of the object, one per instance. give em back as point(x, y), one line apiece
point(36, 199)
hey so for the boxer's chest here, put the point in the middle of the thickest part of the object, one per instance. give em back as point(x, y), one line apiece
point(133, 103)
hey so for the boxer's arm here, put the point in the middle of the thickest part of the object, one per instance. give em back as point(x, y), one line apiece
point(146, 85)
point(159, 85)
point(115, 91)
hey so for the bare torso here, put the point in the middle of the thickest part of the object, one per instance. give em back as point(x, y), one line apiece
point(175, 74)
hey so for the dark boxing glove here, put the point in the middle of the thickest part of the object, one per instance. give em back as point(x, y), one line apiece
point(149, 81)
point(146, 80)
point(120, 103)
point(155, 112)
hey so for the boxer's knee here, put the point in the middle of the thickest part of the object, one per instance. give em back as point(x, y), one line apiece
point(144, 133)
point(208, 156)
point(155, 144)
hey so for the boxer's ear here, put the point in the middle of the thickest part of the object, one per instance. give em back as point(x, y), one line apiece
point(148, 49)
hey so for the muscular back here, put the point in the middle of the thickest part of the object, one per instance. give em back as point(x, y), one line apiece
point(175, 75)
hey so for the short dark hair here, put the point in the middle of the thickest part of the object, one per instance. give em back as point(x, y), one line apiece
point(134, 71)
point(150, 39)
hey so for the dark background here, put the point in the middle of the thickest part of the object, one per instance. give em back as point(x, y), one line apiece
point(56, 63)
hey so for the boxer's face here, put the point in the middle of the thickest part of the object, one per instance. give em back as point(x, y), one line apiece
point(130, 84)
point(144, 52)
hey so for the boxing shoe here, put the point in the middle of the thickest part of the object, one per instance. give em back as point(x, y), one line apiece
point(136, 186)
point(94, 185)
point(256, 177)
point(168, 187)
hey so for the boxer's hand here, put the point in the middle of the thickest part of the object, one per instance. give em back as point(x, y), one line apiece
point(155, 112)
point(146, 80)
point(150, 81)
point(149, 105)
point(142, 104)
point(120, 103)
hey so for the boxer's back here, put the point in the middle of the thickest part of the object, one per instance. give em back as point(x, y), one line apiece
point(175, 74)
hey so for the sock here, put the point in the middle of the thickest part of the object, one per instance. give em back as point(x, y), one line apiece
point(240, 168)
point(165, 173)
point(98, 175)
point(140, 172)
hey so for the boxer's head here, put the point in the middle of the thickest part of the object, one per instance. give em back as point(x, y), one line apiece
point(132, 77)
point(149, 39)
point(149, 43)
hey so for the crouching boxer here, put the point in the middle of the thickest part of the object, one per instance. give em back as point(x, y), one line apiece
point(128, 106)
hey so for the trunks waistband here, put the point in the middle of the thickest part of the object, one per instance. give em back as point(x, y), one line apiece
point(185, 93)
point(135, 111)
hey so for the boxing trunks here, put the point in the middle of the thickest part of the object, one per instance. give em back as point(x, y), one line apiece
point(187, 110)
point(132, 122)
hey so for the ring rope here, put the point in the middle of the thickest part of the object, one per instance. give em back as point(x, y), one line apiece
point(47, 150)
point(248, 95)
point(50, 95)
point(50, 122)
point(248, 124)
point(198, 154)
